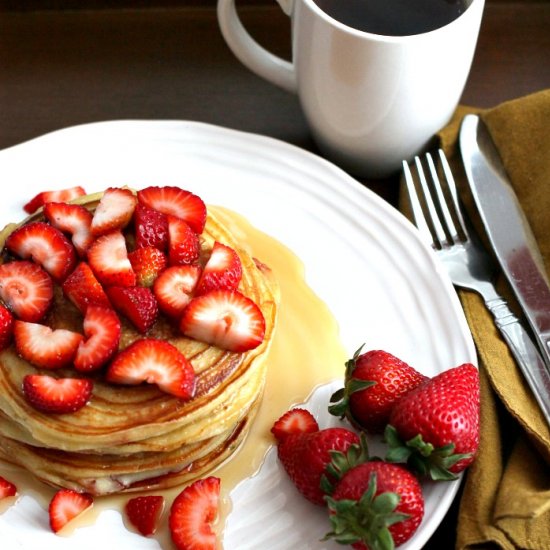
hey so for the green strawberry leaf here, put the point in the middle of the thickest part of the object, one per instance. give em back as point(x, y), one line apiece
point(397, 452)
point(366, 520)
point(355, 385)
point(422, 457)
point(338, 395)
point(384, 540)
point(339, 409)
point(385, 503)
point(437, 473)
point(417, 444)
point(343, 462)
point(340, 398)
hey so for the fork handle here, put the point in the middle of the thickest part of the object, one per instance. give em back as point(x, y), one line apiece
point(525, 352)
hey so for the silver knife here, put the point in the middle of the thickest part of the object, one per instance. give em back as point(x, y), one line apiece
point(507, 229)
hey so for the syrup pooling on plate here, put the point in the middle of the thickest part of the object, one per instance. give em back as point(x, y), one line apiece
point(306, 352)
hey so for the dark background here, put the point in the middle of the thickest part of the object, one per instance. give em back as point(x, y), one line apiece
point(166, 59)
point(21, 5)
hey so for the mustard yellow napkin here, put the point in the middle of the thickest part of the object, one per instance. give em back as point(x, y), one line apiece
point(506, 498)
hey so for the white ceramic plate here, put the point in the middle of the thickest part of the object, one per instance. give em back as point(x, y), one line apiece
point(380, 281)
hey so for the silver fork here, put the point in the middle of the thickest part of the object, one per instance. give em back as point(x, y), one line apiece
point(443, 224)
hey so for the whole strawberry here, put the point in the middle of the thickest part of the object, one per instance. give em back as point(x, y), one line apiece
point(435, 427)
point(305, 457)
point(375, 505)
point(373, 382)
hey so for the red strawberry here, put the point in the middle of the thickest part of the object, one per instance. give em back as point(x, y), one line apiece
point(151, 228)
point(174, 287)
point(224, 318)
point(102, 329)
point(223, 270)
point(7, 488)
point(294, 421)
point(56, 395)
point(155, 362)
point(73, 219)
point(26, 289)
point(65, 505)
point(44, 347)
point(374, 504)
point(114, 211)
point(306, 456)
point(6, 327)
point(144, 513)
point(435, 427)
point(83, 289)
point(109, 261)
point(147, 263)
point(61, 195)
point(176, 202)
point(192, 514)
point(374, 381)
point(46, 245)
point(136, 303)
point(183, 243)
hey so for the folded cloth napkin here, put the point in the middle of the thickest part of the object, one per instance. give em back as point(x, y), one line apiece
point(506, 498)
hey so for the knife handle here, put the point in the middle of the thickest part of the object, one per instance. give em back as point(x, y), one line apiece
point(525, 352)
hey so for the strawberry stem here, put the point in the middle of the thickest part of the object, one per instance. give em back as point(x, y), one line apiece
point(421, 456)
point(366, 520)
point(340, 398)
point(343, 462)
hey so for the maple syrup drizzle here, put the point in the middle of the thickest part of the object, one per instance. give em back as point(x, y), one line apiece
point(306, 352)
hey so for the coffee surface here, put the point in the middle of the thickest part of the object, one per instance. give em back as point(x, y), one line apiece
point(393, 17)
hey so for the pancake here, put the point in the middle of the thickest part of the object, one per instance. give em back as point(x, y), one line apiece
point(136, 437)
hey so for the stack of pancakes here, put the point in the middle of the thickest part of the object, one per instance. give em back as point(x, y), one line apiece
point(138, 437)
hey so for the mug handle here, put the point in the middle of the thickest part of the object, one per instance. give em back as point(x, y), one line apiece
point(250, 53)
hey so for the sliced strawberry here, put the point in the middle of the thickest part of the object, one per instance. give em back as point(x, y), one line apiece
point(183, 243)
point(224, 318)
point(44, 347)
point(144, 513)
point(60, 195)
point(192, 514)
point(83, 289)
point(6, 327)
point(223, 270)
point(7, 488)
point(102, 330)
point(174, 287)
point(46, 245)
point(176, 202)
point(26, 289)
point(155, 362)
point(136, 303)
point(109, 261)
point(114, 211)
point(147, 262)
point(73, 219)
point(65, 505)
point(56, 395)
point(293, 422)
point(151, 227)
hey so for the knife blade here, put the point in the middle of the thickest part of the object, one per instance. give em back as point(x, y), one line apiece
point(507, 228)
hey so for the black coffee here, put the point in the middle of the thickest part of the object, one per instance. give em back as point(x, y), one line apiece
point(394, 17)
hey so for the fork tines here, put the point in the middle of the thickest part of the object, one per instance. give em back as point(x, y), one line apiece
point(435, 205)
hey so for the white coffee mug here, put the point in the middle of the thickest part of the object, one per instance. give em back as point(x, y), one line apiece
point(371, 101)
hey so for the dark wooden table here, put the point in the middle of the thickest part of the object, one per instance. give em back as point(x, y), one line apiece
point(61, 68)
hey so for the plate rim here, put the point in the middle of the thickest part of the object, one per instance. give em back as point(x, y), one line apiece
point(311, 158)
